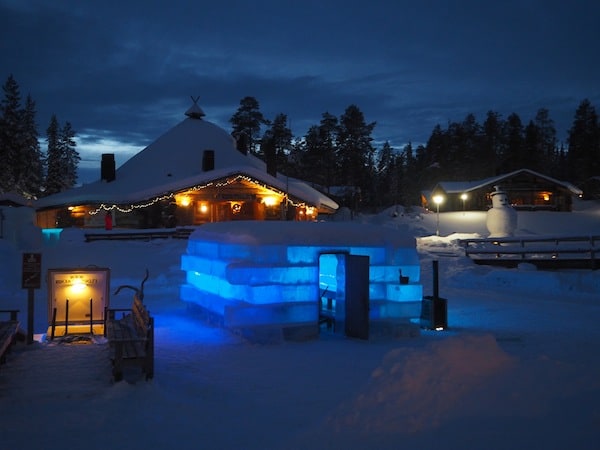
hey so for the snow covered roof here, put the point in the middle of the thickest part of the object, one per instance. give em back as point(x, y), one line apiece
point(14, 199)
point(175, 162)
point(458, 187)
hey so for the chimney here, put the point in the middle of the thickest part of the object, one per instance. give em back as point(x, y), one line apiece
point(107, 167)
point(208, 160)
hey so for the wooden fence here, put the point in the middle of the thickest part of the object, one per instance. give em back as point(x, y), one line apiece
point(548, 252)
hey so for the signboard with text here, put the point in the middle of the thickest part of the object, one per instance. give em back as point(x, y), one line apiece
point(31, 271)
point(78, 295)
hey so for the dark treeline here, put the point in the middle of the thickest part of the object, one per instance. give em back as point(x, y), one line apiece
point(338, 155)
point(24, 168)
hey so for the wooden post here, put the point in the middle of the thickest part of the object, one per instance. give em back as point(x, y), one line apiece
point(66, 317)
point(91, 318)
point(30, 309)
point(436, 291)
point(53, 324)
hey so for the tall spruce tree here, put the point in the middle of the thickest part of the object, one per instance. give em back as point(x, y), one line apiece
point(33, 159)
point(11, 127)
point(69, 154)
point(549, 163)
point(62, 157)
point(318, 160)
point(386, 179)
point(279, 136)
point(583, 155)
point(54, 158)
point(356, 154)
point(513, 157)
point(247, 122)
point(412, 182)
point(20, 156)
point(493, 143)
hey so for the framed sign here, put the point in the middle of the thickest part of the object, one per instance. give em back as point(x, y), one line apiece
point(77, 296)
point(32, 271)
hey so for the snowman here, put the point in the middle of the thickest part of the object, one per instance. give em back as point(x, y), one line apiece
point(501, 217)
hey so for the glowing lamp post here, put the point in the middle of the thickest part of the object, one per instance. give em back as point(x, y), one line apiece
point(437, 199)
point(464, 197)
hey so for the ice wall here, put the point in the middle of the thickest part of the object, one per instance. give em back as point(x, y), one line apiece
point(250, 272)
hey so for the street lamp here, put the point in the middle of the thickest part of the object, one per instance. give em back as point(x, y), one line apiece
point(437, 199)
point(464, 197)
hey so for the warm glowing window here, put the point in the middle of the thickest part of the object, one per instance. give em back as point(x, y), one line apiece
point(270, 201)
point(184, 200)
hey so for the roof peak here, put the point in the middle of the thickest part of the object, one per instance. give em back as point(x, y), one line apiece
point(194, 111)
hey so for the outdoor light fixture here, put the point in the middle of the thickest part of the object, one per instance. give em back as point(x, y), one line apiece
point(185, 201)
point(438, 199)
point(270, 201)
point(78, 286)
point(464, 197)
point(203, 208)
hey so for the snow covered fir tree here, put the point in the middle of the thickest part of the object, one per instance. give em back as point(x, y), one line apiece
point(26, 170)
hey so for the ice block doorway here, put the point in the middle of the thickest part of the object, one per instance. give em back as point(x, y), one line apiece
point(344, 293)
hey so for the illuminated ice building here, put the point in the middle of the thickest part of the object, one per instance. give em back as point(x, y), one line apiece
point(284, 279)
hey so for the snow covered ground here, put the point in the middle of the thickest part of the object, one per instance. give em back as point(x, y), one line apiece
point(518, 368)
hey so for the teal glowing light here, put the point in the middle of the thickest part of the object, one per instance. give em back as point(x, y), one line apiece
point(51, 235)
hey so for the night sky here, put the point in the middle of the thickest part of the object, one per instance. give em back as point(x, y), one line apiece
point(122, 72)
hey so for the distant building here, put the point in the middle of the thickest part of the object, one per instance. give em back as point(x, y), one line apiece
point(526, 190)
point(193, 174)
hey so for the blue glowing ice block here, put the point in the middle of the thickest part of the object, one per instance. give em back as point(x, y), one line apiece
point(271, 272)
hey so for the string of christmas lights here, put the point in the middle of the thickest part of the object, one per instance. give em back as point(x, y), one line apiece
point(217, 184)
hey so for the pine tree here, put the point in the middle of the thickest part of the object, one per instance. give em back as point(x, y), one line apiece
point(471, 134)
point(386, 179)
point(356, 154)
point(33, 172)
point(548, 144)
point(20, 156)
point(54, 158)
point(412, 182)
point(513, 157)
point(63, 157)
point(493, 144)
point(532, 147)
point(69, 155)
point(279, 136)
point(10, 135)
point(247, 122)
point(318, 161)
point(583, 156)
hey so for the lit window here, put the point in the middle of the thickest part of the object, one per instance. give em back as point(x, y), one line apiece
point(270, 201)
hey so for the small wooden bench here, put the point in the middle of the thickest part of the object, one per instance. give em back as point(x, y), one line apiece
point(8, 332)
point(131, 336)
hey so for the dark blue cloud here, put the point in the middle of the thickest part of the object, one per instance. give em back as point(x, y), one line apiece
point(124, 71)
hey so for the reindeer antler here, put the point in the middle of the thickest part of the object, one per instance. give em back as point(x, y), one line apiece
point(139, 291)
